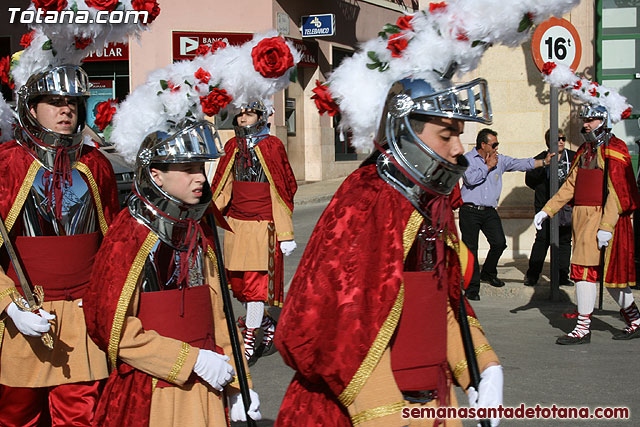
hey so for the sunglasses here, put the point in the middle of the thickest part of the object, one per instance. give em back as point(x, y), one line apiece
point(562, 138)
point(494, 145)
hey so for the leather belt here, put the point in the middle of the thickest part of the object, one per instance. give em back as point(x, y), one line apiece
point(421, 396)
point(480, 208)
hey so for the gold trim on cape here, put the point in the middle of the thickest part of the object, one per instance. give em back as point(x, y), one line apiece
point(225, 175)
point(81, 167)
point(125, 296)
point(12, 216)
point(270, 179)
point(378, 412)
point(387, 329)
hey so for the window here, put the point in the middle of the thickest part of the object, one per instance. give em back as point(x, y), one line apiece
point(344, 151)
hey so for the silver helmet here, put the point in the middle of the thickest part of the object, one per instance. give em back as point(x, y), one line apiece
point(263, 113)
point(410, 165)
point(64, 80)
point(193, 142)
point(602, 132)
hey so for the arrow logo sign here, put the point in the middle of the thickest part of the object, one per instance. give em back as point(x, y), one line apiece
point(188, 44)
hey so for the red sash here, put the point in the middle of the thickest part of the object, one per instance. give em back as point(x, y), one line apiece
point(181, 314)
point(588, 191)
point(60, 264)
point(251, 201)
point(419, 346)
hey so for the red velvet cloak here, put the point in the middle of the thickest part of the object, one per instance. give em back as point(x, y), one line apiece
point(274, 161)
point(348, 291)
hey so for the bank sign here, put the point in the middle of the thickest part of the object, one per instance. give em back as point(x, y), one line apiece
point(318, 25)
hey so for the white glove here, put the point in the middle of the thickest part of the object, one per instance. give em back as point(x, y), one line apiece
point(29, 323)
point(603, 238)
point(213, 368)
point(236, 407)
point(539, 219)
point(288, 246)
point(490, 396)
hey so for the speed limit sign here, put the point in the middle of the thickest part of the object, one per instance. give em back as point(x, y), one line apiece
point(556, 40)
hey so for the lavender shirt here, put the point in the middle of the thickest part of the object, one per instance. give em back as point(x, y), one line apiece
point(481, 186)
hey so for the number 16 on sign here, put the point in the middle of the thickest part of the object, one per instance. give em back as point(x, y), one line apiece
point(556, 40)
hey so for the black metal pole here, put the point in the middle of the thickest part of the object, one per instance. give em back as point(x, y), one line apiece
point(470, 353)
point(554, 233)
point(605, 194)
point(238, 354)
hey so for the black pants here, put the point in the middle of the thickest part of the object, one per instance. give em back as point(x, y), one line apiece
point(539, 252)
point(472, 221)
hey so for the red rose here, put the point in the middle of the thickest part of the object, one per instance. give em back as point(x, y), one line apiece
point(202, 75)
point(626, 113)
point(48, 5)
point(593, 91)
point(397, 43)
point(548, 67)
point(202, 50)
point(433, 7)
point(404, 22)
point(151, 6)
point(104, 113)
point(5, 75)
point(462, 37)
point(26, 39)
point(82, 43)
point(218, 44)
point(323, 99)
point(578, 85)
point(173, 87)
point(102, 4)
point(272, 57)
point(215, 101)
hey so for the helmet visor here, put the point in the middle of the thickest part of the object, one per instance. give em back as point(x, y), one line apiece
point(468, 101)
point(198, 142)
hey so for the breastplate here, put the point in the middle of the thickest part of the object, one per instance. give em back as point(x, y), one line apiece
point(78, 210)
point(162, 269)
point(247, 167)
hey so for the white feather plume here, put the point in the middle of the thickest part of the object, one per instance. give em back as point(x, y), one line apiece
point(152, 107)
point(61, 39)
point(459, 32)
point(7, 120)
point(587, 91)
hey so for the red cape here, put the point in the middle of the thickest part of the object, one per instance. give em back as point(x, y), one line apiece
point(348, 291)
point(19, 169)
point(126, 398)
point(275, 163)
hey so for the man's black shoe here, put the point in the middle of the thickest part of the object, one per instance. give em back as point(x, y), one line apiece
point(473, 297)
point(528, 281)
point(627, 334)
point(569, 340)
point(566, 282)
point(493, 281)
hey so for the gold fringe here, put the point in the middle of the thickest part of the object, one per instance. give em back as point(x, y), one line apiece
point(225, 175)
point(461, 366)
point(380, 411)
point(154, 383)
point(12, 216)
point(270, 179)
point(81, 167)
point(126, 294)
point(177, 367)
point(482, 349)
point(411, 231)
point(474, 322)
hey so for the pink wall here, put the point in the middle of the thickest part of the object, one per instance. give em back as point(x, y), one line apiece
point(154, 50)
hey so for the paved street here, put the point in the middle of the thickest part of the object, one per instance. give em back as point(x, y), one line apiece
point(522, 326)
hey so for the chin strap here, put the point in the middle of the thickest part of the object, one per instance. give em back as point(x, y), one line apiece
point(187, 258)
point(60, 177)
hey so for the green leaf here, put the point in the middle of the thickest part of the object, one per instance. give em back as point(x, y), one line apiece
point(477, 43)
point(373, 66)
point(188, 84)
point(47, 45)
point(373, 56)
point(391, 29)
point(74, 7)
point(53, 52)
point(525, 23)
point(607, 93)
point(159, 93)
point(383, 67)
point(106, 133)
point(382, 34)
point(164, 85)
point(293, 77)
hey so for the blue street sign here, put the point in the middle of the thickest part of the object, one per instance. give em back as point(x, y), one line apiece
point(318, 25)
